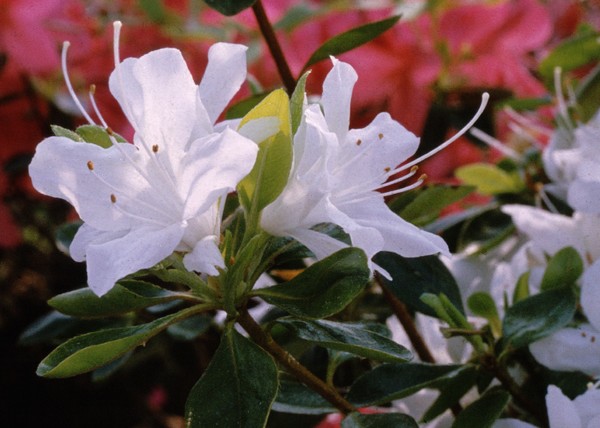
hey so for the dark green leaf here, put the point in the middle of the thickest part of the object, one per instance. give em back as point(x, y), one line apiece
point(382, 420)
point(182, 276)
point(106, 371)
point(484, 232)
point(563, 269)
point(190, 328)
point(411, 277)
point(452, 389)
point(125, 296)
point(56, 327)
point(229, 7)
point(237, 389)
point(483, 412)
point(351, 39)
point(97, 135)
point(356, 338)
point(389, 382)
point(429, 203)
point(89, 351)
point(538, 316)
point(295, 397)
point(324, 288)
point(65, 234)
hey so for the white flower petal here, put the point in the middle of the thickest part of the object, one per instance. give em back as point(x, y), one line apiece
point(590, 295)
point(158, 95)
point(551, 232)
point(224, 75)
point(107, 262)
point(320, 244)
point(511, 423)
point(205, 257)
point(583, 195)
point(86, 236)
point(570, 349)
point(561, 411)
point(213, 167)
point(337, 93)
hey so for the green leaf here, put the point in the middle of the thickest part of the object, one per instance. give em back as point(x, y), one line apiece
point(381, 420)
point(538, 316)
point(324, 288)
point(97, 135)
point(55, 327)
point(297, 102)
point(489, 179)
point(190, 328)
point(89, 351)
point(59, 131)
point(356, 338)
point(563, 269)
point(483, 305)
point(237, 389)
point(572, 53)
point(125, 296)
point(241, 108)
point(351, 39)
point(154, 9)
point(411, 277)
point(429, 203)
point(65, 233)
point(274, 160)
point(182, 276)
point(587, 94)
point(485, 231)
point(452, 389)
point(483, 412)
point(295, 397)
point(522, 288)
point(389, 382)
point(229, 7)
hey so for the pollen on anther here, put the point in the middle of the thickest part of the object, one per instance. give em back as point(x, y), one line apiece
point(90, 165)
point(593, 339)
point(155, 148)
point(583, 334)
point(358, 142)
point(387, 169)
point(113, 198)
point(380, 136)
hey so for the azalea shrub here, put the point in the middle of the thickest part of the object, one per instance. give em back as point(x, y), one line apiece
point(256, 194)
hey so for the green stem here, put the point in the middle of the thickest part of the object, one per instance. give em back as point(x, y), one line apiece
point(265, 341)
point(274, 47)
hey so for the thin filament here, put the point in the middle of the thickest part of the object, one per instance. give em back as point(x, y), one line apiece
point(484, 100)
point(63, 61)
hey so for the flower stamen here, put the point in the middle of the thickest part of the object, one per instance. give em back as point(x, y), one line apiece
point(91, 93)
point(65, 71)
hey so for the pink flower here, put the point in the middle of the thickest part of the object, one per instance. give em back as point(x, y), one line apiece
point(496, 54)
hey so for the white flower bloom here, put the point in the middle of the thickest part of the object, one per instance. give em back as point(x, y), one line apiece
point(336, 176)
point(165, 192)
point(573, 348)
point(582, 412)
point(572, 161)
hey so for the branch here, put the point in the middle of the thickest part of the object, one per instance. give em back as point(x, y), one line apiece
point(274, 47)
point(265, 341)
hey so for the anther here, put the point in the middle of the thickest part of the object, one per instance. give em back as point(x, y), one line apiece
point(110, 132)
point(90, 165)
point(380, 136)
point(155, 148)
point(387, 169)
point(92, 89)
point(358, 142)
point(113, 198)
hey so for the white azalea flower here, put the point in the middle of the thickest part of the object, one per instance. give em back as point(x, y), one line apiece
point(582, 412)
point(572, 348)
point(571, 161)
point(165, 192)
point(336, 176)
